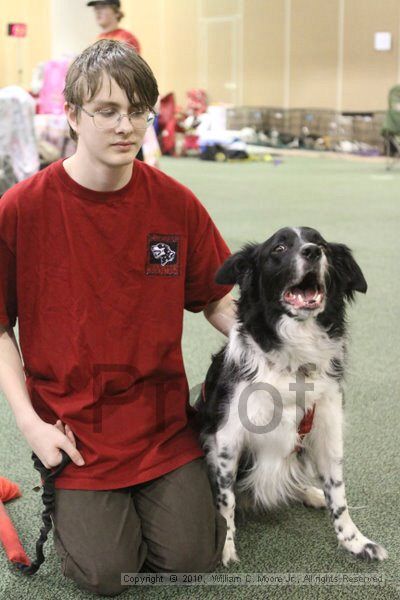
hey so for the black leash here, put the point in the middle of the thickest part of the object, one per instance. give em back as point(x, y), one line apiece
point(48, 497)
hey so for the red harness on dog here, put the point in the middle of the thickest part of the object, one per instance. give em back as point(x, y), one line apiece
point(304, 426)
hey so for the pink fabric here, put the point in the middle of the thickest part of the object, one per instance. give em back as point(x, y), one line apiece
point(196, 102)
point(51, 99)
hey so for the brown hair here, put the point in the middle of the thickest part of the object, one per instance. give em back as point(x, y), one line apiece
point(118, 12)
point(119, 61)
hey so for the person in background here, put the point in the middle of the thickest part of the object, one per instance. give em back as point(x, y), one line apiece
point(108, 15)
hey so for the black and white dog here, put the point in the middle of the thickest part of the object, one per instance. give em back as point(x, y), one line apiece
point(270, 411)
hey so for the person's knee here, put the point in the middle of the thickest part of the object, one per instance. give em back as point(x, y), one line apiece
point(199, 554)
point(105, 577)
point(187, 562)
point(194, 562)
point(106, 583)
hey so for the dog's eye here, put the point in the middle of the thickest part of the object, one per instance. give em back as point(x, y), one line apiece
point(280, 248)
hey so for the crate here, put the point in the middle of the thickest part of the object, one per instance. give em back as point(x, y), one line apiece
point(325, 123)
point(278, 119)
point(318, 122)
point(295, 121)
point(246, 116)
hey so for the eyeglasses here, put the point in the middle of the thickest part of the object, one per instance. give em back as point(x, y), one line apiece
point(108, 118)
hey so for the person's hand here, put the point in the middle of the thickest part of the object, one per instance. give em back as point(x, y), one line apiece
point(66, 430)
point(46, 440)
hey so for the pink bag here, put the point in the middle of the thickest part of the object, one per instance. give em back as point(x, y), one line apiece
point(196, 102)
point(51, 99)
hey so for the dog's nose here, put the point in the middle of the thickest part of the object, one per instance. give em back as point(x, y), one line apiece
point(311, 252)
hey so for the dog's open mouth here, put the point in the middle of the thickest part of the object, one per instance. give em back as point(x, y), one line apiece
point(308, 293)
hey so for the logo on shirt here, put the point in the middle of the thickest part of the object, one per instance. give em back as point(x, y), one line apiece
point(162, 254)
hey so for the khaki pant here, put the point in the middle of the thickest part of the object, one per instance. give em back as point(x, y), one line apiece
point(169, 524)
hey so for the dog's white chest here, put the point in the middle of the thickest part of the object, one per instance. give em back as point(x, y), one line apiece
point(286, 383)
point(270, 409)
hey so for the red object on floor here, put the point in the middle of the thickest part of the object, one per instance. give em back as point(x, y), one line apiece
point(167, 124)
point(191, 142)
point(8, 534)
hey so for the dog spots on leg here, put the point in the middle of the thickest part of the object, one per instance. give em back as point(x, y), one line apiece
point(226, 480)
point(338, 512)
point(335, 483)
point(224, 500)
point(328, 499)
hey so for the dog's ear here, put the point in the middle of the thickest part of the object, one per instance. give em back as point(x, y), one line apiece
point(347, 270)
point(236, 266)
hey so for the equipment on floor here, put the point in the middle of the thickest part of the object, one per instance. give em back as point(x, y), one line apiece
point(391, 128)
point(17, 135)
point(9, 536)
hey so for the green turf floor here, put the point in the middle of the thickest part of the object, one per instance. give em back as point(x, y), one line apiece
point(352, 202)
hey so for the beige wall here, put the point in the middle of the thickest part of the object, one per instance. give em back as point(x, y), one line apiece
point(367, 74)
point(313, 53)
point(73, 26)
point(293, 53)
point(18, 56)
point(263, 45)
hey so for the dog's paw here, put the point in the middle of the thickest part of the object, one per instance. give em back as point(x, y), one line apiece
point(229, 553)
point(362, 547)
point(314, 497)
point(373, 551)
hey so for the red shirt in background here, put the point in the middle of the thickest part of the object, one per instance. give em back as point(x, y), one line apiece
point(99, 282)
point(121, 35)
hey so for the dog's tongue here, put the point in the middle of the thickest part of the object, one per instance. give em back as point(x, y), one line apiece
point(307, 295)
point(299, 298)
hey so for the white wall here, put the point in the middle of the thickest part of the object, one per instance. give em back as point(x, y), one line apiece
point(73, 27)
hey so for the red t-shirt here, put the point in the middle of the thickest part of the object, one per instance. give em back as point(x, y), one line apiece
point(121, 35)
point(99, 281)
